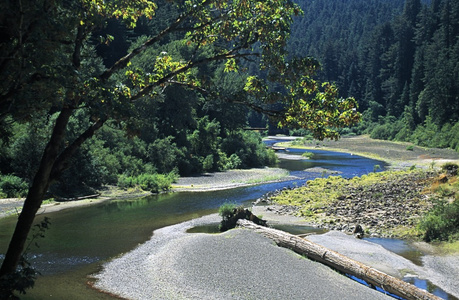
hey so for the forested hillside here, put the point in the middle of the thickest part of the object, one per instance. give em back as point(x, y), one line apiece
point(137, 93)
point(399, 59)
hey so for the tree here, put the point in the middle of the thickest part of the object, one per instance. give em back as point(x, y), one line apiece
point(48, 50)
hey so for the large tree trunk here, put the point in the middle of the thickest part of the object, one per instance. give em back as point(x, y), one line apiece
point(340, 262)
point(36, 193)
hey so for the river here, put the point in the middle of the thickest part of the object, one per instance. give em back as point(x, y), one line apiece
point(81, 239)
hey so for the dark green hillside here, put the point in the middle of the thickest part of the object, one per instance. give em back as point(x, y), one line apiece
point(399, 59)
point(336, 32)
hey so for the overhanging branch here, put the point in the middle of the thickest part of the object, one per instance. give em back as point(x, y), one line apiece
point(123, 62)
point(167, 79)
point(257, 108)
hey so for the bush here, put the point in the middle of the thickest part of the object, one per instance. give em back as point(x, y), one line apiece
point(442, 222)
point(233, 162)
point(387, 129)
point(308, 155)
point(154, 183)
point(125, 181)
point(13, 187)
point(249, 148)
point(226, 210)
point(380, 132)
point(450, 168)
point(208, 163)
point(231, 213)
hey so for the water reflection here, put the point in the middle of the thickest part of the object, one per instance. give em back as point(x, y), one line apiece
point(105, 230)
point(347, 165)
point(79, 239)
point(400, 247)
point(428, 286)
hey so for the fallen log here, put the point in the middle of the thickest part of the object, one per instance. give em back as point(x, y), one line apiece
point(341, 263)
point(77, 198)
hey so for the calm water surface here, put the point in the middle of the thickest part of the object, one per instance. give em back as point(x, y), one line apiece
point(81, 239)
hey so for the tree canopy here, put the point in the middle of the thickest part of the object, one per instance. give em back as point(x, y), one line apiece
point(52, 73)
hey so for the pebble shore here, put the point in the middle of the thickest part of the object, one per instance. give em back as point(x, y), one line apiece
point(237, 264)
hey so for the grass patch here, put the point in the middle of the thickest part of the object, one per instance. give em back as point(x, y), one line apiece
point(449, 248)
point(314, 197)
point(226, 210)
point(48, 201)
point(268, 178)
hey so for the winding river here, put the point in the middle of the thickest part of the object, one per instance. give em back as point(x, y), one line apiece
point(81, 239)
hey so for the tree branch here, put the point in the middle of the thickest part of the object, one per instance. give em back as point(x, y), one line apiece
point(257, 108)
point(190, 65)
point(63, 160)
point(76, 57)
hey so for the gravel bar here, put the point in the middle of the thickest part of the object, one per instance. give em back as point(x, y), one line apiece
point(238, 264)
point(230, 179)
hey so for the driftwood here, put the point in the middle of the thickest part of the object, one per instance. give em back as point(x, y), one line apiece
point(77, 198)
point(229, 220)
point(341, 263)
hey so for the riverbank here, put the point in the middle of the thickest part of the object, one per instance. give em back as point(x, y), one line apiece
point(435, 263)
point(395, 153)
point(399, 155)
point(12, 206)
point(388, 204)
point(200, 183)
point(240, 264)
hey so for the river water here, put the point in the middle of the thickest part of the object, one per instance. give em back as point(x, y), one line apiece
point(81, 239)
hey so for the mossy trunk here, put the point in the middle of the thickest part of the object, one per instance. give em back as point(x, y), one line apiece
point(230, 221)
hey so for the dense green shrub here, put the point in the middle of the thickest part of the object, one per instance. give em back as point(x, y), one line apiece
point(429, 134)
point(112, 157)
point(387, 129)
point(381, 132)
point(154, 183)
point(249, 148)
point(308, 155)
point(233, 162)
point(12, 186)
point(125, 181)
point(164, 154)
point(301, 132)
point(442, 222)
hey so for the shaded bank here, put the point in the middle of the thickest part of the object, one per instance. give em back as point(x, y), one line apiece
point(199, 183)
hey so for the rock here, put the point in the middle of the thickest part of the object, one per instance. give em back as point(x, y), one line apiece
point(443, 178)
point(358, 231)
